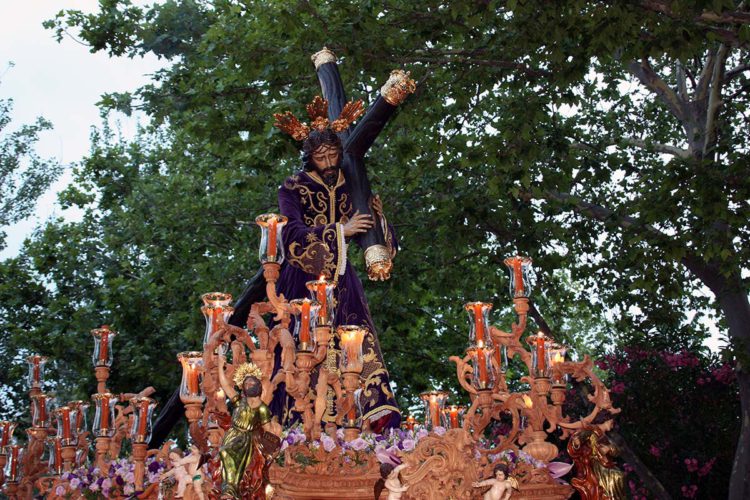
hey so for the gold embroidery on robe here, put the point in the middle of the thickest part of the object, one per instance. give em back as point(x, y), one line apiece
point(316, 256)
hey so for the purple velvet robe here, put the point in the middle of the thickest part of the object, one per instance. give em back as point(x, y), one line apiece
point(314, 245)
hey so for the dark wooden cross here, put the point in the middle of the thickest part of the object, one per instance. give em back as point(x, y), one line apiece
point(356, 141)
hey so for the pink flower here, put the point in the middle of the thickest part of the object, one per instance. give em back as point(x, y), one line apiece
point(655, 451)
point(691, 464)
point(706, 469)
point(618, 388)
point(689, 491)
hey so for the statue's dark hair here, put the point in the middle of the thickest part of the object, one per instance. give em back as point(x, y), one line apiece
point(314, 141)
point(501, 467)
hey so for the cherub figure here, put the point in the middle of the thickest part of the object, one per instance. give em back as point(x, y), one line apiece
point(502, 484)
point(390, 479)
point(185, 470)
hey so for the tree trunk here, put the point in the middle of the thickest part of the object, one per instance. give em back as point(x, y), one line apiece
point(734, 303)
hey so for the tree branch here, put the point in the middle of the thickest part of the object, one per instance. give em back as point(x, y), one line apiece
point(734, 72)
point(709, 273)
point(648, 77)
point(658, 147)
point(714, 98)
point(681, 82)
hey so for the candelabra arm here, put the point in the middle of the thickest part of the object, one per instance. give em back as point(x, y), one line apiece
point(521, 306)
point(463, 372)
point(271, 274)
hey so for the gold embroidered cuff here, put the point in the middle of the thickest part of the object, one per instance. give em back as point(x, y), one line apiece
point(323, 56)
point(398, 87)
point(341, 263)
point(378, 261)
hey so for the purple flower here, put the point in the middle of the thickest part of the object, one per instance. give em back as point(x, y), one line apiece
point(408, 444)
point(154, 466)
point(358, 444)
point(328, 442)
point(440, 431)
point(422, 433)
point(75, 482)
point(59, 491)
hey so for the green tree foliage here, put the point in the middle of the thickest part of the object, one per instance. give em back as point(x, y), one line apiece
point(605, 139)
point(24, 176)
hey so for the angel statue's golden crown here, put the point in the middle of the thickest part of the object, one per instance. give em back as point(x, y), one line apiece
point(317, 110)
point(246, 370)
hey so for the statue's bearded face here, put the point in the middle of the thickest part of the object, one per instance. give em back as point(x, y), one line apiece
point(251, 387)
point(327, 159)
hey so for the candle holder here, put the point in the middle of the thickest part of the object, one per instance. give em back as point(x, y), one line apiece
point(15, 455)
point(479, 335)
point(67, 425)
point(321, 291)
point(143, 410)
point(271, 242)
point(410, 422)
point(57, 463)
point(483, 373)
point(306, 314)
point(351, 337)
point(540, 362)
point(104, 425)
point(103, 355)
point(140, 434)
point(453, 416)
point(351, 365)
point(192, 371)
point(434, 404)
point(104, 418)
point(216, 310)
point(6, 434)
point(41, 410)
point(556, 355)
point(521, 276)
point(82, 408)
point(35, 377)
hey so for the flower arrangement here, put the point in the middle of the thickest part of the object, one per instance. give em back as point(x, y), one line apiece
point(118, 481)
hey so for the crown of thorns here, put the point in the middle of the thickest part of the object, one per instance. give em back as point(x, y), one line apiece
point(317, 110)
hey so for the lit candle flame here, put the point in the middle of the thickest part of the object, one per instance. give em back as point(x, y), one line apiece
point(527, 401)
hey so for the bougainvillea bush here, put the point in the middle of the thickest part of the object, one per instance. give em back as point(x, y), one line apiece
point(680, 415)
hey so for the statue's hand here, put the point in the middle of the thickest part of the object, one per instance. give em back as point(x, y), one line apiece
point(359, 223)
point(377, 206)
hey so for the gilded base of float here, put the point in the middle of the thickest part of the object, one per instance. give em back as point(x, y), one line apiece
point(290, 485)
point(439, 468)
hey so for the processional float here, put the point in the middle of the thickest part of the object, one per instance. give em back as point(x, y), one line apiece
point(443, 456)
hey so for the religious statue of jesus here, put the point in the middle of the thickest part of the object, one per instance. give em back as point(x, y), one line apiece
point(329, 205)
